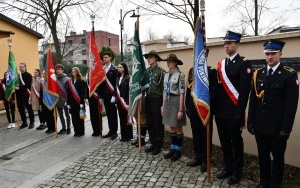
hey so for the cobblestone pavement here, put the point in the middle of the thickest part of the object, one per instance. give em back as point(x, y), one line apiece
point(118, 164)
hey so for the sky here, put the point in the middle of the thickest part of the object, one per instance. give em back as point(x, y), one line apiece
point(216, 22)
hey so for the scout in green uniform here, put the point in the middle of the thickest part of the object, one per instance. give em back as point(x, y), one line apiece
point(272, 109)
point(153, 103)
point(173, 105)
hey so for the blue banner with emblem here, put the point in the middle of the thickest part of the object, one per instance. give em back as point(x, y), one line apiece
point(200, 91)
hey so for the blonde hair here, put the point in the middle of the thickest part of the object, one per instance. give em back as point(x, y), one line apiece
point(78, 74)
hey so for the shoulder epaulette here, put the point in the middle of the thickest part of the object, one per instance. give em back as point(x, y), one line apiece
point(289, 69)
point(245, 59)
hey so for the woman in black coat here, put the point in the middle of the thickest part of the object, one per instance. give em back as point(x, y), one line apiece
point(123, 102)
point(75, 101)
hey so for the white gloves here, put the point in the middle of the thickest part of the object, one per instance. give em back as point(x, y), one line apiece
point(101, 101)
point(81, 105)
point(68, 106)
point(65, 103)
point(86, 101)
point(113, 99)
point(127, 107)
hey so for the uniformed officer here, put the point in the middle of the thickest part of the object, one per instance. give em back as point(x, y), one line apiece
point(198, 129)
point(173, 105)
point(234, 74)
point(272, 108)
point(153, 102)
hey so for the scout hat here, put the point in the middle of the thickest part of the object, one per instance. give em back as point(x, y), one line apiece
point(232, 36)
point(173, 57)
point(273, 45)
point(153, 52)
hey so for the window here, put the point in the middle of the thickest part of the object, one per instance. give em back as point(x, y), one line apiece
point(70, 41)
point(84, 62)
point(83, 52)
point(109, 41)
point(71, 53)
point(83, 41)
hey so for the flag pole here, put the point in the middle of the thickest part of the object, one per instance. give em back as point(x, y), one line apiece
point(15, 96)
point(202, 9)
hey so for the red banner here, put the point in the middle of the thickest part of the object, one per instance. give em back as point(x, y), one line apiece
point(96, 71)
point(52, 85)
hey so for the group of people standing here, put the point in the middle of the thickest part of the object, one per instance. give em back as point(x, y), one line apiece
point(273, 89)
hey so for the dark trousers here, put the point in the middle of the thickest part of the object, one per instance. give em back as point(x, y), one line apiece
point(270, 174)
point(41, 117)
point(154, 120)
point(10, 111)
point(94, 114)
point(200, 139)
point(22, 104)
point(61, 111)
point(49, 117)
point(232, 144)
point(78, 123)
point(111, 112)
point(126, 130)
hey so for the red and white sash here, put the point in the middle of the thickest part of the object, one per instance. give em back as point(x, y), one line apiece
point(3, 87)
point(23, 84)
point(109, 86)
point(227, 85)
point(36, 93)
point(61, 88)
point(74, 91)
point(121, 100)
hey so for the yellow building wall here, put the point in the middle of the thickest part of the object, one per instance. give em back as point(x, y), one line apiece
point(252, 48)
point(24, 48)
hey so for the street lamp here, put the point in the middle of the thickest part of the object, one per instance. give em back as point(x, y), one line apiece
point(121, 22)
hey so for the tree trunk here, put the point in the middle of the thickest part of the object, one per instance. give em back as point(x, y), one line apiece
point(58, 58)
point(256, 18)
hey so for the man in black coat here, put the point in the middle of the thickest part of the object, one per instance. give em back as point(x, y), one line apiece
point(107, 90)
point(272, 108)
point(198, 129)
point(23, 94)
point(234, 74)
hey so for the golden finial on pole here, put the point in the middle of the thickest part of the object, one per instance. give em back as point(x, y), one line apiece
point(9, 43)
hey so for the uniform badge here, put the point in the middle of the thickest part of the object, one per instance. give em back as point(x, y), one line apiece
point(279, 72)
point(248, 70)
point(233, 62)
point(261, 84)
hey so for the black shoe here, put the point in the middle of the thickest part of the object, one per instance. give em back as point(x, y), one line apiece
point(49, 131)
point(63, 131)
point(76, 135)
point(107, 135)
point(41, 127)
point(203, 167)
point(96, 134)
point(169, 154)
point(142, 143)
point(176, 156)
point(224, 174)
point(126, 139)
point(156, 150)
point(68, 131)
point(31, 126)
point(113, 136)
point(150, 148)
point(234, 179)
point(23, 126)
point(260, 185)
point(193, 163)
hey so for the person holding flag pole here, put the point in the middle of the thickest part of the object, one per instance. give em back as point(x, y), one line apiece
point(12, 80)
point(95, 77)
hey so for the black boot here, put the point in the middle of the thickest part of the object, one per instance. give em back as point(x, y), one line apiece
point(169, 154)
point(176, 156)
point(68, 131)
point(142, 142)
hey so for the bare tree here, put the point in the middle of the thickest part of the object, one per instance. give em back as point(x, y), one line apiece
point(258, 16)
point(48, 14)
point(150, 35)
point(184, 10)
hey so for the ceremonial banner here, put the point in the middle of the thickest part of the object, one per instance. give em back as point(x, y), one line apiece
point(96, 71)
point(200, 91)
point(50, 96)
point(12, 76)
point(137, 82)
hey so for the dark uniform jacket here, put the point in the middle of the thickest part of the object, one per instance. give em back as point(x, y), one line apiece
point(21, 92)
point(213, 82)
point(111, 75)
point(124, 88)
point(157, 83)
point(275, 110)
point(80, 88)
point(239, 73)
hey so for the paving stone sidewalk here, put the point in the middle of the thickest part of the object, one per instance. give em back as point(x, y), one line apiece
point(118, 164)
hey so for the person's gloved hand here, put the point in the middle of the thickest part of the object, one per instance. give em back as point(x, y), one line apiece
point(284, 136)
point(65, 103)
point(81, 105)
point(101, 101)
point(250, 129)
point(113, 99)
point(86, 101)
point(127, 107)
point(68, 106)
